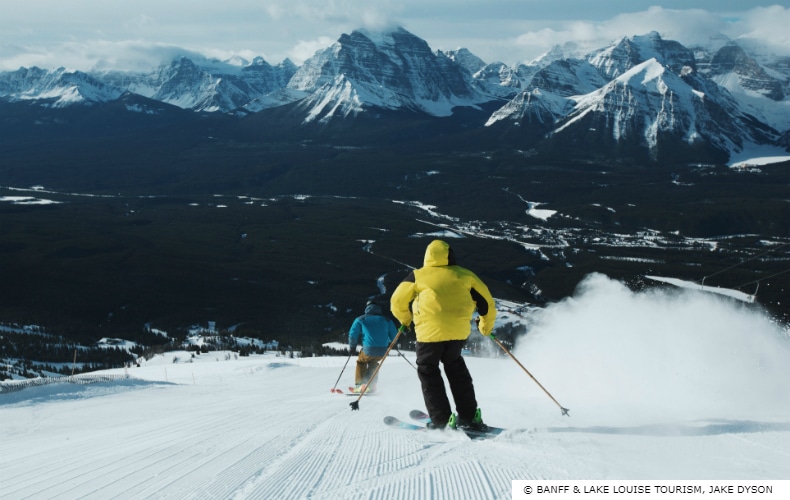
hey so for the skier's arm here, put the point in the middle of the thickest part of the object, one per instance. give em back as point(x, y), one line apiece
point(401, 299)
point(486, 307)
point(354, 334)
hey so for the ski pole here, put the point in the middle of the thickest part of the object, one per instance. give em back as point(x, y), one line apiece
point(355, 404)
point(335, 389)
point(405, 359)
point(564, 410)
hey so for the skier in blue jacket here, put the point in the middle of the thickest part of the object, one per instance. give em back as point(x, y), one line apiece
point(375, 333)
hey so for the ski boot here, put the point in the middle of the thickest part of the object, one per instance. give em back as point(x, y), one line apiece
point(473, 424)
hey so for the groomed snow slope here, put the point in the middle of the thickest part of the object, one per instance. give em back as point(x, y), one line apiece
point(660, 385)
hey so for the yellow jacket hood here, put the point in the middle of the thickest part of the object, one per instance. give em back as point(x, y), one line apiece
point(437, 254)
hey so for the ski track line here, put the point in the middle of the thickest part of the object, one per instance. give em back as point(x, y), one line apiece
point(381, 455)
point(144, 448)
point(385, 468)
point(173, 458)
point(213, 476)
point(441, 477)
point(69, 456)
point(138, 464)
point(147, 462)
point(236, 476)
point(301, 465)
point(232, 460)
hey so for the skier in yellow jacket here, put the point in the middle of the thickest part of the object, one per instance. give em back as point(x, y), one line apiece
point(440, 298)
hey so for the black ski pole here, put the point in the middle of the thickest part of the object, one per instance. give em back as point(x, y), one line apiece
point(405, 359)
point(335, 389)
point(564, 410)
point(355, 404)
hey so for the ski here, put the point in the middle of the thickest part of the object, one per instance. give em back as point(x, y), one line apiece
point(352, 389)
point(400, 424)
point(420, 416)
point(424, 418)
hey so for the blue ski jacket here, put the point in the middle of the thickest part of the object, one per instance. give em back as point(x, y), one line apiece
point(373, 331)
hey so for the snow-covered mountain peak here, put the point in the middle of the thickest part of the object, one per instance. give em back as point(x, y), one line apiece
point(392, 69)
point(534, 107)
point(237, 60)
point(636, 83)
point(467, 59)
point(648, 71)
point(60, 87)
point(628, 52)
point(652, 106)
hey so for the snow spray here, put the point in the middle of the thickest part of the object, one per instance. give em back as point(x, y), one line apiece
point(658, 355)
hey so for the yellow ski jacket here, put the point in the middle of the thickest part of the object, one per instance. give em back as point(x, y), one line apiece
point(441, 298)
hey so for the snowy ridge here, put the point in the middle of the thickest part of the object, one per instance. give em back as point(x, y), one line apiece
point(645, 90)
point(645, 87)
point(61, 87)
point(648, 100)
point(640, 87)
point(626, 53)
point(338, 98)
point(535, 106)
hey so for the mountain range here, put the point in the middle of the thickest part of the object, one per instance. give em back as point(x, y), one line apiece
point(639, 98)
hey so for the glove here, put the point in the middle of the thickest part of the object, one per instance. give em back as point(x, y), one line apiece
point(493, 337)
point(478, 320)
point(404, 329)
point(352, 347)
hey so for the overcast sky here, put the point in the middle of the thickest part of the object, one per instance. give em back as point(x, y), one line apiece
point(129, 33)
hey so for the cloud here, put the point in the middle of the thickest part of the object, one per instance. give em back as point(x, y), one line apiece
point(97, 54)
point(691, 27)
point(306, 48)
point(768, 25)
point(346, 14)
point(47, 34)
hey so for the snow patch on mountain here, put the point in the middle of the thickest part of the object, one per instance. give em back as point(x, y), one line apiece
point(755, 156)
point(534, 106)
point(339, 98)
point(648, 91)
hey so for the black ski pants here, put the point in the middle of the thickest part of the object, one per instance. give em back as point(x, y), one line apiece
point(429, 355)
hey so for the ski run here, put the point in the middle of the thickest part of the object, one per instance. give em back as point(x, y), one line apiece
point(663, 385)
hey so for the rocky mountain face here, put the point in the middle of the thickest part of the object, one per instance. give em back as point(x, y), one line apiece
point(646, 94)
point(58, 87)
point(731, 60)
point(206, 85)
point(640, 94)
point(395, 70)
